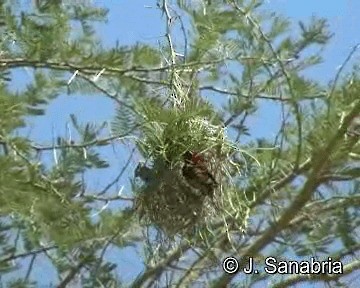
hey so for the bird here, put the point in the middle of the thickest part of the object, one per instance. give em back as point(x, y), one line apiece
point(354, 127)
point(144, 173)
point(196, 173)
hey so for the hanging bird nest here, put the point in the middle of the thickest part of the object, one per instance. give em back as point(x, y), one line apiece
point(167, 198)
point(167, 201)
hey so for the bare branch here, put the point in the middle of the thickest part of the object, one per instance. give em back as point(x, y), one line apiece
point(349, 268)
point(27, 254)
point(100, 142)
point(154, 271)
point(319, 160)
point(72, 273)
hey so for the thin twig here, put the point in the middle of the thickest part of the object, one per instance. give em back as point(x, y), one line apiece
point(31, 265)
point(72, 273)
point(154, 271)
point(27, 254)
point(108, 199)
point(319, 161)
point(341, 68)
point(122, 171)
point(104, 141)
point(292, 280)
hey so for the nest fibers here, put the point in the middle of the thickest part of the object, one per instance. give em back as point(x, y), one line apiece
point(166, 200)
point(169, 202)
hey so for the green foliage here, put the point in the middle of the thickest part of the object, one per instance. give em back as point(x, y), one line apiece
point(145, 56)
point(125, 120)
point(42, 89)
point(169, 133)
point(11, 111)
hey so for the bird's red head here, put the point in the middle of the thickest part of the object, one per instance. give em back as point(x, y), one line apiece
point(193, 157)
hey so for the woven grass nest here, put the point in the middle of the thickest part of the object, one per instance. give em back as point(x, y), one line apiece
point(166, 200)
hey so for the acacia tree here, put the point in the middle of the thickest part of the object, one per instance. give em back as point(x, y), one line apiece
point(293, 196)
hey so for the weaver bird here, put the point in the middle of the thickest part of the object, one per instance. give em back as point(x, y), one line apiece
point(196, 173)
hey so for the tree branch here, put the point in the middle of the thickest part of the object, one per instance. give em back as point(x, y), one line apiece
point(290, 281)
point(320, 159)
point(154, 271)
point(73, 272)
point(27, 254)
point(100, 142)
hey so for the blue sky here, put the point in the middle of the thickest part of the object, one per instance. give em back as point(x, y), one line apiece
point(133, 21)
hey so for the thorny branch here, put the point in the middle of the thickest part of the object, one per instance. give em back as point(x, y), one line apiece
point(109, 71)
point(159, 268)
point(100, 142)
point(122, 171)
point(326, 205)
point(72, 273)
point(284, 72)
point(258, 96)
point(108, 199)
point(319, 160)
point(27, 254)
point(290, 281)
